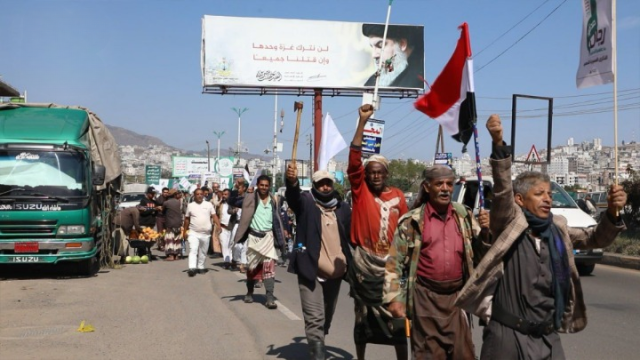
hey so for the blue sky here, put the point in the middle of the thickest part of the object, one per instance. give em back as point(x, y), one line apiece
point(136, 63)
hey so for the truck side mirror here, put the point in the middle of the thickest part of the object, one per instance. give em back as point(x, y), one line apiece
point(99, 172)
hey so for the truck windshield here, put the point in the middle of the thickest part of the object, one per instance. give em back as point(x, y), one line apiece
point(42, 173)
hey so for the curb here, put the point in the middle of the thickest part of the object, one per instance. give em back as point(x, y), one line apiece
point(624, 261)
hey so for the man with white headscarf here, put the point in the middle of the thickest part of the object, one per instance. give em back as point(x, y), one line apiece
point(377, 208)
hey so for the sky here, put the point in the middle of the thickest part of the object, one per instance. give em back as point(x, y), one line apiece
point(136, 63)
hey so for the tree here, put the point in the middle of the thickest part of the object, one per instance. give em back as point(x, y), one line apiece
point(406, 175)
point(632, 209)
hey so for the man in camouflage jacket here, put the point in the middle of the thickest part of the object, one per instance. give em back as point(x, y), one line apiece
point(434, 250)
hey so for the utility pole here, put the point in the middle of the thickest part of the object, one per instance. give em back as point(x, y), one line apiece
point(219, 135)
point(310, 143)
point(239, 112)
point(275, 142)
point(208, 157)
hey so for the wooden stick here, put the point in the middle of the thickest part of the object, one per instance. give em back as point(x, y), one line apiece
point(297, 106)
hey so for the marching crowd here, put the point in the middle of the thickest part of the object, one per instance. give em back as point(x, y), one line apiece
point(429, 266)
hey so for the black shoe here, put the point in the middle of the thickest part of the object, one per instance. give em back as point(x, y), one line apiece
point(192, 272)
point(203, 271)
point(248, 298)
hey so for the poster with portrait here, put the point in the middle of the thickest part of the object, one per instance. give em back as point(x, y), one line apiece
point(264, 52)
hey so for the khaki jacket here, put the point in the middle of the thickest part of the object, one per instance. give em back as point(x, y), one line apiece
point(507, 224)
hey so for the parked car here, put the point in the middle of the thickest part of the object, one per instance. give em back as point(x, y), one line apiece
point(130, 199)
point(466, 192)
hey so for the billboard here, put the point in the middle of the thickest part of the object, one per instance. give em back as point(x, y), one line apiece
point(310, 54)
point(197, 169)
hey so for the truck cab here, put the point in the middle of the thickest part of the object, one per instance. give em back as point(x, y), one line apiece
point(50, 208)
point(466, 192)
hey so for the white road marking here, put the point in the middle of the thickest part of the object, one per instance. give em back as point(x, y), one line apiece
point(283, 309)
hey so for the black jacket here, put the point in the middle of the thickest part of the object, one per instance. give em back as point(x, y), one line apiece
point(309, 232)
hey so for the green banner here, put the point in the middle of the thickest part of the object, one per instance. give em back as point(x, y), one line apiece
point(152, 174)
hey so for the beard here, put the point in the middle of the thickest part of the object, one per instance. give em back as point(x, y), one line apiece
point(400, 63)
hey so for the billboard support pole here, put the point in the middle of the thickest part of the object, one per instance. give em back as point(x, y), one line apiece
point(317, 126)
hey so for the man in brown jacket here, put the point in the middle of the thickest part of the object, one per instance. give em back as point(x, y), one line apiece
point(261, 229)
point(527, 288)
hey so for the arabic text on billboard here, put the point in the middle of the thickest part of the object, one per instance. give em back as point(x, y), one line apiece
point(263, 52)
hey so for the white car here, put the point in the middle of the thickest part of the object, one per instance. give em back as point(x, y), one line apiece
point(130, 199)
point(466, 192)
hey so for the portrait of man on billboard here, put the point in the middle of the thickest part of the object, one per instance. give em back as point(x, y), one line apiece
point(403, 55)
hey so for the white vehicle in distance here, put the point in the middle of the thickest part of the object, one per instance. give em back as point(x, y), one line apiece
point(466, 192)
point(130, 199)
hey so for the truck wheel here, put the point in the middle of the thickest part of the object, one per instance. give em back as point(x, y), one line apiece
point(88, 267)
point(585, 270)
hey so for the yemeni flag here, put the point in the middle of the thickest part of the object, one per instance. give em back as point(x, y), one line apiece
point(451, 99)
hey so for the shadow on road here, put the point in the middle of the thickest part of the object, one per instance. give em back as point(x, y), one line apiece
point(60, 271)
point(298, 349)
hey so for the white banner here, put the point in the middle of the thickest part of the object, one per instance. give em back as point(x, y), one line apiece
point(596, 47)
point(290, 53)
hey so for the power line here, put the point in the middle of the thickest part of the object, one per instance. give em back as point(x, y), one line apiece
point(511, 28)
point(522, 37)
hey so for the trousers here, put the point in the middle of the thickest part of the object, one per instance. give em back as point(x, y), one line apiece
point(227, 245)
point(318, 306)
point(198, 246)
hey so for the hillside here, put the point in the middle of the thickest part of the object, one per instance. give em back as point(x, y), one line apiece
point(128, 137)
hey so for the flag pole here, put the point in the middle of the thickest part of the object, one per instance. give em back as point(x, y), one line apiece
point(381, 64)
point(614, 59)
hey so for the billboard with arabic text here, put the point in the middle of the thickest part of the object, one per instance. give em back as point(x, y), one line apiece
point(290, 53)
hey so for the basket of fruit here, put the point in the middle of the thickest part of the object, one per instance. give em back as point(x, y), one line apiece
point(145, 240)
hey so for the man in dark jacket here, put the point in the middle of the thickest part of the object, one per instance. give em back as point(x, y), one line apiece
point(321, 253)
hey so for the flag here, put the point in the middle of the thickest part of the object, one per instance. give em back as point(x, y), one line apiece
point(331, 142)
point(451, 99)
point(246, 174)
point(254, 181)
point(596, 44)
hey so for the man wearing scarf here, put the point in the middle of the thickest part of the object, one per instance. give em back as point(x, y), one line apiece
point(377, 208)
point(435, 248)
point(261, 230)
point(527, 288)
point(321, 254)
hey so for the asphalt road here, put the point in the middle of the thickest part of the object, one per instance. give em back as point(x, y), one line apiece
point(156, 311)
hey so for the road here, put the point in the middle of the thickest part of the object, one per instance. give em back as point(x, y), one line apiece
point(156, 311)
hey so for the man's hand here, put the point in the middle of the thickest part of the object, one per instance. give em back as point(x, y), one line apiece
point(365, 111)
point(250, 190)
point(483, 218)
point(292, 173)
point(396, 309)
point(494, 125)
point(616, 199)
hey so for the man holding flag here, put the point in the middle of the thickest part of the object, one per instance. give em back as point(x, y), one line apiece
point(376, 210)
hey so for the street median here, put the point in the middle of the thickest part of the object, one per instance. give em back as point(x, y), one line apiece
point(625, 261)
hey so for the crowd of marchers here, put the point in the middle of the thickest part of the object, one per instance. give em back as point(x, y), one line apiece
point(428, 267)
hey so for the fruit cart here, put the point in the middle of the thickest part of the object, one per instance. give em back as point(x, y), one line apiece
point(138, 244)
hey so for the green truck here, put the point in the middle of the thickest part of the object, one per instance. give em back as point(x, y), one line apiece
point(59, 180)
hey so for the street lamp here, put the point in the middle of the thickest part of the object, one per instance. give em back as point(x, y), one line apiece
point(239, 112)
point(208, 157)
point(219, 135)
